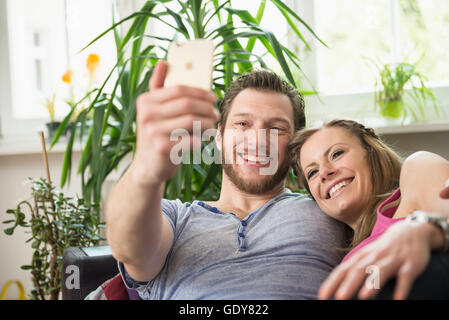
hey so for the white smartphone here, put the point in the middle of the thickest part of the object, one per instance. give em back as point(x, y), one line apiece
point(190, 63)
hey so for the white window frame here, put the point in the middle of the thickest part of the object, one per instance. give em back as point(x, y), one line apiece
point(12, 127)
point(329, 106)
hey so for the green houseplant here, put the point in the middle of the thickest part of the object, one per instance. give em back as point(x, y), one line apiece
point(112, 136)
point(55, 222)
point(391, 90)
point(53, 125)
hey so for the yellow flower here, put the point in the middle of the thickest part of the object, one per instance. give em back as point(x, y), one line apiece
point(92, 63)
point(50, 106)
point(67, 77)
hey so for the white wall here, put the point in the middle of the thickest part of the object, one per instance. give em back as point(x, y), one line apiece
point(406, 144)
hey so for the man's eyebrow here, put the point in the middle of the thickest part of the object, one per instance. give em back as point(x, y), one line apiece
point(325, 154)
point(241, 115)
point(279, 119)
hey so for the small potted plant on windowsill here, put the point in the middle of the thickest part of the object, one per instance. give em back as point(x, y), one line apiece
point(52, 126)
point(92, 64)
point(395, 82)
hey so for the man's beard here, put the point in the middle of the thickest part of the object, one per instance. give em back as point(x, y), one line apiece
point(264, 185)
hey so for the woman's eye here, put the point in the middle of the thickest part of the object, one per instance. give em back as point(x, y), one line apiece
point(241, 123)
point(337, 154)
point(311, 174)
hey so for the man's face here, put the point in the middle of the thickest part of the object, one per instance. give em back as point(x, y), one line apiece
point(255, 139)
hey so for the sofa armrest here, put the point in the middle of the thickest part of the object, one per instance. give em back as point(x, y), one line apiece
point(85, 269)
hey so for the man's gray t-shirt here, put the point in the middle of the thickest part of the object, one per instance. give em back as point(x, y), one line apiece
point(283, 250)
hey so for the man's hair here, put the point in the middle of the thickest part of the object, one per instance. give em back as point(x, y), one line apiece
point(263, 80)
point(383, 162)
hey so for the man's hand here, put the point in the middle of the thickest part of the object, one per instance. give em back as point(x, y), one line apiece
point(402, 251)
point(159, 113)
point(445, 192)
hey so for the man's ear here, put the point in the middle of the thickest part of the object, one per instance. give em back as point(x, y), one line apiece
point(218, 138)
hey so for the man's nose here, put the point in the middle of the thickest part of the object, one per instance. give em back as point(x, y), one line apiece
point(257, 138)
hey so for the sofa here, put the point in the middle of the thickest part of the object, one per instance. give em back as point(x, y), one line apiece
point(95, 265)
point(85, 269)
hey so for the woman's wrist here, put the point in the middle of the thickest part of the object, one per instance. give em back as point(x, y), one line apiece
point(437, 227)
point(435, 236)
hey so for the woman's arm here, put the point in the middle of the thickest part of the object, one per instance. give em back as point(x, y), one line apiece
point(444, 194)
point(404, 250)
point(423, 175)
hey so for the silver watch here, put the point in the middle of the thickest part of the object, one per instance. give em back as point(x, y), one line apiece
point(439, 221)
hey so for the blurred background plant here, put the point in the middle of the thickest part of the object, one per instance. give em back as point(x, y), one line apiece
point(80, 88)
point(50, 106)
point(53, 125)
point(78, 95)
point(55, 223)
point(236, 34)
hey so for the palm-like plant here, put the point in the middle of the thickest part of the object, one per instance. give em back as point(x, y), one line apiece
point(112, 136)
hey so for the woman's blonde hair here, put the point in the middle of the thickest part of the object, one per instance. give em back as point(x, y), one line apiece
point(384, 164)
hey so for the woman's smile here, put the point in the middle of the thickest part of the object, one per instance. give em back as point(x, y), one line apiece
point(337, 188)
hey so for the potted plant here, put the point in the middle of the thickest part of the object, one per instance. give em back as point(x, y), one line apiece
point(92, 63)
point(52, 126)
point(235, 34)
point(55, 223)
point(397, 81)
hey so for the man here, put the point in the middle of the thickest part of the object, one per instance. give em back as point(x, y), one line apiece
point(258, 241)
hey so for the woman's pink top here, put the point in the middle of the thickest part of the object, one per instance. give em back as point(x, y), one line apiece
point(385, 213)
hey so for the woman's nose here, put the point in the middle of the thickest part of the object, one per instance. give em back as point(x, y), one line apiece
point(326, 172)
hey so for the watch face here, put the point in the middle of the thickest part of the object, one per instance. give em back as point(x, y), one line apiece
point(422, 217)
point(419, 216)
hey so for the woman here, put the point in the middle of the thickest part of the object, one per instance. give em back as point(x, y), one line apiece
point(355, 178)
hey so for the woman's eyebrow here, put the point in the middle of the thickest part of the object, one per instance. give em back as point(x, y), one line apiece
point(326, 153)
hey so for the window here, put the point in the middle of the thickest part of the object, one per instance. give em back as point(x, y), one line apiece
point(386, 31)
point(359, 33)
point(43, 40)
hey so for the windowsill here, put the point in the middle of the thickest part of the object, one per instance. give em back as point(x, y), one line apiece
point(32, 145)
point(434, 126)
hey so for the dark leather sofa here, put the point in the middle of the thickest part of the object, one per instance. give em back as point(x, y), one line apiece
point(94, 266)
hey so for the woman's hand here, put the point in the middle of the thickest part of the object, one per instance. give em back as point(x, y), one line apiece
point(403, 251)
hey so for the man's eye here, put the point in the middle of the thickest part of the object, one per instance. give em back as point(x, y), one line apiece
point(242, 123)
point(311, 174)
point(337, 154)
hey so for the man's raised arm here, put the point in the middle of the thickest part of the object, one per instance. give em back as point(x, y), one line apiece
point(139, 235)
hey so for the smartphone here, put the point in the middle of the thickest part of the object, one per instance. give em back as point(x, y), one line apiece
point(190, 63)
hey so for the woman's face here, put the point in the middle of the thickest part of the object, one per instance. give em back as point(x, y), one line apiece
point(335, 167)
